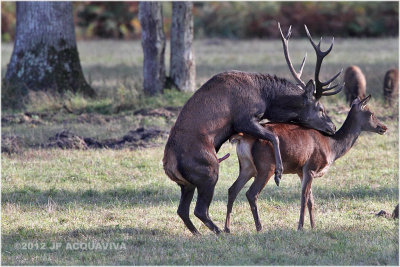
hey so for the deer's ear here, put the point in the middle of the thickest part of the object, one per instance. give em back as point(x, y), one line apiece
point(356, 101)
point(364, 102)
point(310, 89)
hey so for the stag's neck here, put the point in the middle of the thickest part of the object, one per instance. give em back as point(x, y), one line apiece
point(280, 95)
point(346, 136)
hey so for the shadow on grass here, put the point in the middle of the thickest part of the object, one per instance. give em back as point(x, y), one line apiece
point(130, 197)
point(281, 246)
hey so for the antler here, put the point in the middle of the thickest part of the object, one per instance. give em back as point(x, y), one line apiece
point(319, 86)
point(295, 74)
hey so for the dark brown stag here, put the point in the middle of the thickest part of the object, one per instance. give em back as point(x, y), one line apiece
point(233, 102)
point(305, 152)
point(391, 86)
point(355, 84)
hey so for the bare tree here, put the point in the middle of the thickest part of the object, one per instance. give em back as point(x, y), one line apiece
point(153, 43)
point(45, 55)
point(182, 69)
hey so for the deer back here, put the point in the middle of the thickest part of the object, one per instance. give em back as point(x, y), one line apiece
point(355, 83)
point(391, 82)
point(298, 145)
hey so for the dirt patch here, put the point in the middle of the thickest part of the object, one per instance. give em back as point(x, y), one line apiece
point(140, 137)
point(66, 140)
point(167, 112)
point(92, 118)
point(11, 144)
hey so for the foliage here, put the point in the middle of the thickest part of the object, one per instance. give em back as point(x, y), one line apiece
point(107, 19)
point(233, 19)
point(8, 21)
point(250, 19)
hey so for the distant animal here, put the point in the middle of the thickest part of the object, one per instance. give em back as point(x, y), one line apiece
point(354, 83)
point(305, 152)
point(233, 102)
point(391, 86)
point(395, 213)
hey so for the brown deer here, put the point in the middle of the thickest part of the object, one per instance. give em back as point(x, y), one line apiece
point(233, 102)
point(391, 86)
point(305, 152)
point(355, 84)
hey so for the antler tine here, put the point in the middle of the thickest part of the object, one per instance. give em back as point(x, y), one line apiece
point(319, 90)
point(285, 42)
point(332, 79)
point(302, 65)
point(330, 87)
point(317, 47)
point(334, 92)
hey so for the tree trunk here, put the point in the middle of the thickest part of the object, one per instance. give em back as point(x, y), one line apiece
point(153, 43)
point(182, 70)
point(45, 56)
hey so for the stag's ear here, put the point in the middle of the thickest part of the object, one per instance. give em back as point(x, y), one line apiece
point(310, 89)
point(364, 102)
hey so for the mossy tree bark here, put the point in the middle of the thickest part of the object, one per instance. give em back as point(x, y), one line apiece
point(45, 55)
point(182, 70)
point(153, 43)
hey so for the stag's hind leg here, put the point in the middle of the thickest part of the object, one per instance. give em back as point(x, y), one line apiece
point(201, 170)
point(187, 192)
point(205, 194)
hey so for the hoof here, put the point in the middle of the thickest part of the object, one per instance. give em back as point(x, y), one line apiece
point(227, 230)
point(277, 179)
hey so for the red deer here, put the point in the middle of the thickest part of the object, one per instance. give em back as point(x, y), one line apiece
point(233, 102)
point(391, 85)
point(305, 152)
point(355, 84)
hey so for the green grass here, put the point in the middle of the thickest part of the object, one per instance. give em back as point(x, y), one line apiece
point(123, 196)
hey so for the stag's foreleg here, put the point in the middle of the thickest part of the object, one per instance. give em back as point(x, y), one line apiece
point(252, 127)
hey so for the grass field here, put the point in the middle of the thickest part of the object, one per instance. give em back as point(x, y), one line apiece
point(122, 199)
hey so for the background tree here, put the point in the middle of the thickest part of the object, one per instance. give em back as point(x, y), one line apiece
point(153, 43)
point(182, 64)
point(45, 55)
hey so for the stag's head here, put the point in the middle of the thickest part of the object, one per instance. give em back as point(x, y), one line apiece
point(365, 117)
point(312, 113)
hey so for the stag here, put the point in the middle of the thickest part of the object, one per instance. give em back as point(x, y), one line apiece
point(305, 152)
point(355, 84)
point(233, 102)
point(391, 85)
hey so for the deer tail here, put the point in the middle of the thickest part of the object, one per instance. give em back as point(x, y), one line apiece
point(236, 138)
